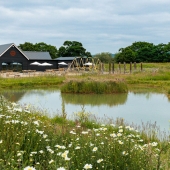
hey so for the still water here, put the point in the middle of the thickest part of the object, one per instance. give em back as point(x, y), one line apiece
point(133, 107)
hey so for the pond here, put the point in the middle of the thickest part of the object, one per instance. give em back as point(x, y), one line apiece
point(132, 107)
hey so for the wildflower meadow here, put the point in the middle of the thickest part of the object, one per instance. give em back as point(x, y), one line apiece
point(30, 140)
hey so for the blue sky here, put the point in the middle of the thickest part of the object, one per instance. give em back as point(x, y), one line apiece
point(100, 25)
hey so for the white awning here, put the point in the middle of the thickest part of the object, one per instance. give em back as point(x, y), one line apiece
point(35, 63)
point(62, 63)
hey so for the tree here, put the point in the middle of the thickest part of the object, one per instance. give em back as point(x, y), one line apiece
point(71, 49)
point(104, 57)
point(166, 53)
point(125, 55)
point(27, 46)
point(40, 47)
point(138, 52)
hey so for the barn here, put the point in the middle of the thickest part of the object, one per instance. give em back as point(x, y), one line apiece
point(13, 58)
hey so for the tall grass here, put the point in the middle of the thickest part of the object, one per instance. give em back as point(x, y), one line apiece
point(29, 139)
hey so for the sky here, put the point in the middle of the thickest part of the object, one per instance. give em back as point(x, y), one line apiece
point(100, 25)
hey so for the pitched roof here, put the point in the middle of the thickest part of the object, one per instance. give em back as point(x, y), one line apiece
point(6, 47)
point(30, 55)
point(37, 55)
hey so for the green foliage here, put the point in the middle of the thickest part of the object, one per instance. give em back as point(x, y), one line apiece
point(27, 46)
point(144, 52)
point(104, 57)
point(69, 49)
point(72, 49)
point(82, 116)
point(94, 87)
point(40, 47)
point(59, 120)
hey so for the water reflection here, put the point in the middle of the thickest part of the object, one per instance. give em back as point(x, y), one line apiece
point(13, 95)
point(95, 99)
point(133, 107)
point(17, 95)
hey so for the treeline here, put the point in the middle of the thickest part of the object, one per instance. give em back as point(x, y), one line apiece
point(27, 46)
point(144, 52)
point(137, 52)
point(68, 49)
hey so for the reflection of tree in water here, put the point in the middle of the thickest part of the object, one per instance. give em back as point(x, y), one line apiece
point(77, 99)
point(95, 99)
point(16, 95)
point(147, 94)
point(39, 92)
point(13, 95)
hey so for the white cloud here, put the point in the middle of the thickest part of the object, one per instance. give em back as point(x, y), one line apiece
point(105, 25)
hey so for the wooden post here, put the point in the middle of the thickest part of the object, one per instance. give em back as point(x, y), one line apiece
point(119, 68)
point(92, 68)
point(113, 68)
point(110, 68)
point(124, 67)
point(135, 66)
point(130, 67)
point(141, 66)
point(100, 67)
point(72, 68)
point(103, 68)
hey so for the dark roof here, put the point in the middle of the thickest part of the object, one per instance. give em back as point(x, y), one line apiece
point(4, 47)
point(36, 55)
point(30, 55)
point(65, 58)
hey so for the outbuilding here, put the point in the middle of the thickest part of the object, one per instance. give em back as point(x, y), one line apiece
point(13, 58)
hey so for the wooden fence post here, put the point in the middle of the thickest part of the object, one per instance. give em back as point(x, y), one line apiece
point(124, 67)
point(135, 66)
point(119, 68)
point(113, 68)
point(141, 66)
point(130, 67)
point(100, 67)
point(103, 67)
point(110, 67)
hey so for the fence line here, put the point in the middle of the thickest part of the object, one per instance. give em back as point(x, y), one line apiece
point(121, 68)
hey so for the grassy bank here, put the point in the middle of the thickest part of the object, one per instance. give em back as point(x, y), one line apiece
point(28, 139)
point(31, 82)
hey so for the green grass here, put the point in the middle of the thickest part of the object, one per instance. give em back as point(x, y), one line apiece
point(30, 82)
point(28, 138)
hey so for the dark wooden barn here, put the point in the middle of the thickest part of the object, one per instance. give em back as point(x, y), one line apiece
point(13, 58)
